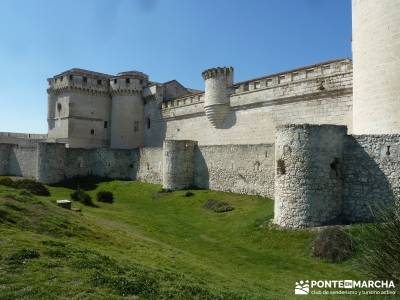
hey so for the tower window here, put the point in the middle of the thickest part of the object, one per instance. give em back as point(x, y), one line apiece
point(148, 123)
point(84, 79)
point(59, 107)
point(61, 78)
point(99, 81)
point(127, 80)
point(141, 81)
point(115, 81)
point(71, 77)
point(92, 132)
point(105, 124)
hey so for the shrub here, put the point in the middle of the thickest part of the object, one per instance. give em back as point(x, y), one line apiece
point(333, 244)
point(105, 196)
point(22, 255)
point(6, 181)
point(83, 197)
point(36, 188)
point(217, 206)
point(380, 246)
point(188, 194)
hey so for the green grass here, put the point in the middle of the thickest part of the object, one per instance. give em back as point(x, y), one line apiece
point(152, 245)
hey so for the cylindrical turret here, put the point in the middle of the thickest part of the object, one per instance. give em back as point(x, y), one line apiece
point(376, 66)
point(51, 109)
point(308, 179)
point(178, 164)
point(127, 110)
point(218, 88)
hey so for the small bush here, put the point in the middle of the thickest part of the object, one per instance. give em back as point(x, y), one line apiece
point(105, 196)
point(217, 206)
point(188, 194)
point(333, 244)
point(21, 256)
point(36, 188)
point(6, 181)
point(83, 197)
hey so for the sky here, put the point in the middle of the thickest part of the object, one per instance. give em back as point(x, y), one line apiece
point(166, 39)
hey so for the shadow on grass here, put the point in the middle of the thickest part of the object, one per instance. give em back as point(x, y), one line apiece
point(87, 183)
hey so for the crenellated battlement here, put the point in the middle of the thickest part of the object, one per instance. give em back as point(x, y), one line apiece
point(79, 80)
point(311, 72)
point(214, 72)
point(128, 83)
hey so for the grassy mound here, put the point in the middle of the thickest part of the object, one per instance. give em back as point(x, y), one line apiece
point(164, 248)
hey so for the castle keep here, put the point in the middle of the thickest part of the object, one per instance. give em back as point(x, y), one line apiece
point(323, 141)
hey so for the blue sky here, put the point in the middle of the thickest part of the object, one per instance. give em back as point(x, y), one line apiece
point(166, 39)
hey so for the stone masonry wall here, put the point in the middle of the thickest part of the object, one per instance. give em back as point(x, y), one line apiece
point(371, 175)
point(23, 160)
point(308, 177)
point(4, 158)
point(150, 165)
point(246, 169)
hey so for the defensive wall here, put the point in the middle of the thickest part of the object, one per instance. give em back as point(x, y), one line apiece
point(324, 176)
point(317, 94)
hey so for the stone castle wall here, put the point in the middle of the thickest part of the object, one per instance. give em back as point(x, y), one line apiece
point(324, 176)
point(245, 169)
point(321, 94)
point(371, 175)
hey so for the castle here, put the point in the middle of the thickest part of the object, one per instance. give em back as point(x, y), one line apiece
point(323, 141)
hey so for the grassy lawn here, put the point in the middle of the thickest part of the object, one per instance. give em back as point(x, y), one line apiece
point(152, 245)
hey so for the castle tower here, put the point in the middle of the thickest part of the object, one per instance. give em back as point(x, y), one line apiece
point(79, 109)
point(178, 164)
point(127, 110)
point(308, 177)
point(218, 88)
point(376, 65)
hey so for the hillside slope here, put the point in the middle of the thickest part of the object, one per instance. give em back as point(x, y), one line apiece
point(151, 245)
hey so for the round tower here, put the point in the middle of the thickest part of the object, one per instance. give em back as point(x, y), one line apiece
point(308, 177)
point(178, 164)
point(376, 66)
point(218, 88)
point(127, 110)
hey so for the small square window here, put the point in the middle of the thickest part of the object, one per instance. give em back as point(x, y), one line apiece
point(105, 124)
point(92, 132)
point(71, 77)
point(99, 81)
point(127, 80)
point(84, 79)
point(141, 81)
point(245, 87)
point(115, 81)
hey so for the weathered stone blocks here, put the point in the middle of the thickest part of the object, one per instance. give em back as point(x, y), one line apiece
point(178, 164)
point(308, 175)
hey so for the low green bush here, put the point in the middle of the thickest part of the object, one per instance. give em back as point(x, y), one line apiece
point(217, 206)
point(83, 197)
point(34, 187)
point(105, 196)
point(333, 244)
point(188, 194)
